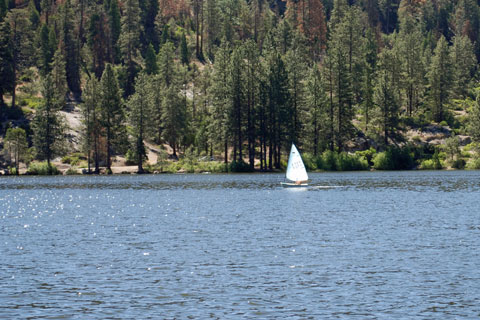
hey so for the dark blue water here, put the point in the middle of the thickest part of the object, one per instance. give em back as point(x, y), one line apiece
point(354, 246)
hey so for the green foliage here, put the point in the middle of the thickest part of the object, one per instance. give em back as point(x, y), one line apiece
point(42, 169)
point(131, 158)
point(348, 162)
point(239, 166)
point(185, 55)
point(368, 154)
point(333, 161)
point(71, 172)
point(473, 164)
point(73, 159)
point(394, 158)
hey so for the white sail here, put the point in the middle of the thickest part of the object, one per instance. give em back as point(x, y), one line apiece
point(295, 168)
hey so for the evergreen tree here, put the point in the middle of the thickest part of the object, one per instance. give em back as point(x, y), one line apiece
point(111, 114)
point(166, 65)
point(185, 56)
point(440, 80)
point(3, 10)
point(34, 16)
point(69, 49)
point(473, 127)
point(46, 52)
point(464, 65)
point(151, 66)
point(369, 75)
point(296, 67)
point(140, 115)
point(98, 42)
point(220, 92)
point(236, 103)
point(91, 121)
point(149, 11)
point(251, 88)
point(7, 73)
point(211, 28)
point(129, 41)
point(59, 79)
point(16, 146)
point(386, 93)
point(316, 103)
point(410, 46)
point(115, 29)
point(48, 127)
point(173, 117)
point(278, 107)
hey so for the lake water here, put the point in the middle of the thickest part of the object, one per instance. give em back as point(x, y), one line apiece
point(371, 245)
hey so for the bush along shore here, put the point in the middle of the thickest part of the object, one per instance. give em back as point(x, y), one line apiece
point(393, 158)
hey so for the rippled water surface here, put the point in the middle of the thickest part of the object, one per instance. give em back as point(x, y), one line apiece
point(353, 245)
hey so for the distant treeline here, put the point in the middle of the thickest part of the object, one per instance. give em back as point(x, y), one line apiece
point(233, 77)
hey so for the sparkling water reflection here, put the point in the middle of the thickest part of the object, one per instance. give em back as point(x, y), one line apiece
point(353, 245)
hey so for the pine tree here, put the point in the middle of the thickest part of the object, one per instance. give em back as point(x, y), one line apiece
point(59, 79)
point(386, 93)
point(173, 117)
point(440, 80)
point(7, 73)
point(251, 87)
point(151, 66)
point(464, 64)
point(296, 68)
point(34, 16)
point(16, 146)
point(410, 47)
point(91, 121)
point(236, 103)
point(46, 52)
point(473, 127)
point(278, 107)
point(111, 115)
point(69, 49)
point(129, 41)
point(141, 115)
point(211, 28)
point(369, 75)
point(149, 11)
point(3, 10)
point(48, 127)
point(219, 92)
point(185, 56)
point(166, 65)
point(316, 104)
point(115, 29)
point(98, 41)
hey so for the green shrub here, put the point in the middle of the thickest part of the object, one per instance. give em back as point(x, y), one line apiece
point(368, 154)
point(432, 164)
point(310, 161)
point(240, 166)
point(131, 158)
point(394, 158)
point(71, 159)
point(458, 164)
point(473, 164)
point(71, 172)
point(329, 159)
point(347, 162)
point(42, 168)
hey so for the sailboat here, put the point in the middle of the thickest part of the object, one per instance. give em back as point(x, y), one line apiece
point(296, 171)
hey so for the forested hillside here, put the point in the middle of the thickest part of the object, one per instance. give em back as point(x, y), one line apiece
point(387, 84)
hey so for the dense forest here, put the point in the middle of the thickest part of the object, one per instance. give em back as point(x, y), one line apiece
point(387, 84)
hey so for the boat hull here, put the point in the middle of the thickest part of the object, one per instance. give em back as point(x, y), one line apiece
point(293, 185)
